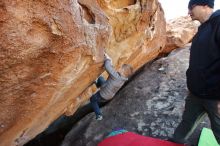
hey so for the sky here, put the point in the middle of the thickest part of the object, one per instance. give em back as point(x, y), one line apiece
point(176, 8)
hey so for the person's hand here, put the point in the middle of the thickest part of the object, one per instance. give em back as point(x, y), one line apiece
point(106, 57)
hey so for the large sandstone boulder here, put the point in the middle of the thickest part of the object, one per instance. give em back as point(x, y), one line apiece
point(47, 49)
point(180, 31)
point(51, 52)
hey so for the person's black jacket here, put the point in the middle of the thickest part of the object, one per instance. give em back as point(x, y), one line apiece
point(203, 74)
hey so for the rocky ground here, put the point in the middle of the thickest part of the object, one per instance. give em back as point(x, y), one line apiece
point(151, 104)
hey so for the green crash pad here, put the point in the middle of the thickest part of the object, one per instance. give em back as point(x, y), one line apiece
point(207, 138)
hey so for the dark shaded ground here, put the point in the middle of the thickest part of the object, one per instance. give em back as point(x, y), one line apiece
point(55, 133)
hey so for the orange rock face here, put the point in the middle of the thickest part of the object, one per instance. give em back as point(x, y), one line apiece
point(180, 31)
point(51, 52)
point(138, 32)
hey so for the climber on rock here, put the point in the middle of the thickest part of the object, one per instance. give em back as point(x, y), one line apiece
point(109, 87)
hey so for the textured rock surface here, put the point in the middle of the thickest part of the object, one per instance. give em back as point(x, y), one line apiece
point(47, 49)
point(138, 31)
point(51, 51)
point(180, 31)
point(151, 104)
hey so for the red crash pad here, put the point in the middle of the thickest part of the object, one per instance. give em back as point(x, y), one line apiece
point(132, 139)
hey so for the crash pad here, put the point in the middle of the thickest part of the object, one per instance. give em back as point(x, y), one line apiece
point(133, 139)
point(207, 138)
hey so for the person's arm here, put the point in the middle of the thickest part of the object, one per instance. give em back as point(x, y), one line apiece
point(109, 67)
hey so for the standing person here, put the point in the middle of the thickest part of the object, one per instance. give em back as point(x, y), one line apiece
point(109, 87)
point(203, 74)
